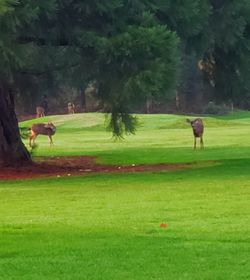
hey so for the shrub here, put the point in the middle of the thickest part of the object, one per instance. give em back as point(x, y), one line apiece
point(213, 109)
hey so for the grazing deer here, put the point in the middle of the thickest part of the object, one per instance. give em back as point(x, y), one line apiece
point(40, 112)
point(44, 129)
point(71, 108)
point(198, 129)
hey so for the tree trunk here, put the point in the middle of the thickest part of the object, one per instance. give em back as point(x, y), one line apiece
point(12, 150)
point(83, 99)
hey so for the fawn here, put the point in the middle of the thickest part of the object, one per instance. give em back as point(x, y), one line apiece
point(71, 108)
point(40, 112)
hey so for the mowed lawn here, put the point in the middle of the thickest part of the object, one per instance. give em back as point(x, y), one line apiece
point(107, 226)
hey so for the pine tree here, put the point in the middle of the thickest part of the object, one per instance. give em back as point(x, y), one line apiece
point(118, 44)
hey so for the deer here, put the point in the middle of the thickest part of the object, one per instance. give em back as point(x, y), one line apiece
point(43, 129)
point(40, 112)
point(198, 129)
point(71, 108)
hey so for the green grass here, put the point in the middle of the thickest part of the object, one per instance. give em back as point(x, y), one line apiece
point(160, 138)
point(107, 226)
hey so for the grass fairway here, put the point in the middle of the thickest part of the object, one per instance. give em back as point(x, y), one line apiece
point(107, 226)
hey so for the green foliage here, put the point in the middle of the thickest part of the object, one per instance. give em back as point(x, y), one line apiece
point(218, 33)
point(214, 109)
point(137, 63)
point(187, 17)
point(229, 44)
point(24, 132)
point(117, 43)
point(121, 123)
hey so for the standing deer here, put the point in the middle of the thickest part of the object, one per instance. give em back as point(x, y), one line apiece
point(198, 129)
point(40, 112)
point(44, 129)
point(71, 108)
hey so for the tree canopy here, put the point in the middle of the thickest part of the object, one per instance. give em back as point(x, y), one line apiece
point(119, 44)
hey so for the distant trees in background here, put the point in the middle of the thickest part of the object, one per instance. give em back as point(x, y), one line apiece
point(209, 64)
point(215, 36)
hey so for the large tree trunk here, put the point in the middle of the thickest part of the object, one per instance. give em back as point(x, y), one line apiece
point(12, 150)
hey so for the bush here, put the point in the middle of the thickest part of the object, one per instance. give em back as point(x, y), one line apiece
point(213, 109)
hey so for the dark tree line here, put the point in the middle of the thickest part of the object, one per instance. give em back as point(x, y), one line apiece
point(134, 50)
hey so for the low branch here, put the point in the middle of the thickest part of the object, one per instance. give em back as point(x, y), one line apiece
point(43, 42)
point(40, 73)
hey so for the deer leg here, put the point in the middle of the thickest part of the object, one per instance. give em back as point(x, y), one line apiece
point(201, 141)
point(32, 138)
point(194, 143)
point(51, 141)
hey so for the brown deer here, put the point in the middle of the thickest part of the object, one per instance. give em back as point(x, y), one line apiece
point(40, 112)
point(71, 108)
point(198, 129)
point(44, 129)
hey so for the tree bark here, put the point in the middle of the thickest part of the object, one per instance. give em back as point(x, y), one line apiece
point(12, 150)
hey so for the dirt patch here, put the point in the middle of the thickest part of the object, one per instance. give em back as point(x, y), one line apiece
point(72, 166)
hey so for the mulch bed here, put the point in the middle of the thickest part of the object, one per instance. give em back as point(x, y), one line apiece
point(76, 166)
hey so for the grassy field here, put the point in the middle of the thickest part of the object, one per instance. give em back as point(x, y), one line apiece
point(107, 226)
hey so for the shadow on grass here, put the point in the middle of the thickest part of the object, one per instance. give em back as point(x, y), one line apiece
point(154, 155)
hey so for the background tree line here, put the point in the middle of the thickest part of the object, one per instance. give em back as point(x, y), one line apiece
point(213, 55)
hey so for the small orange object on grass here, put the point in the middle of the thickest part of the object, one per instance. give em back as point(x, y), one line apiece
point(163, 225)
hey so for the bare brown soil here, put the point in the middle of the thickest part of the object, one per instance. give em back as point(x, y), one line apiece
point(72, 166)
